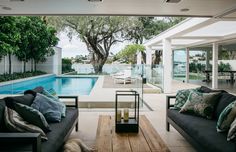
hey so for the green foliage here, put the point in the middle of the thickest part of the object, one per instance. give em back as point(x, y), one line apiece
point(27, 38)
point(99, 33)
point(198, 67)
point(129, 53)
point(9, 37)
point(224, 67)
point(14, 76)
point(67, 66)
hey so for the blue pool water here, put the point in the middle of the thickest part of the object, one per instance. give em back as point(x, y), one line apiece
point(62, 85)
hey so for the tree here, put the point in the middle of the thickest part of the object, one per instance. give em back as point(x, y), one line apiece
point(129, 53)
point(25, 28)
point(99, 33)
point(147, 27)
point(41, 39)
point(9, 37)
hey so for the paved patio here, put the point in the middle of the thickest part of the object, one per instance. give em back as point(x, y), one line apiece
point(109, 82)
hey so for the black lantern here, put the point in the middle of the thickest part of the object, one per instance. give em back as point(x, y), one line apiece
point(127, 114)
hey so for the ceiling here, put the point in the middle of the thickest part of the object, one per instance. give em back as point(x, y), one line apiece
point(208, 8)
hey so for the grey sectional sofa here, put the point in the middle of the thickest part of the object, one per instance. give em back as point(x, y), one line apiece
point(32, 141)
point(201, 132)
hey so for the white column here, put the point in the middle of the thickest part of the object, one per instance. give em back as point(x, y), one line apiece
point(139, 58)
point(215, 66)
point(167, 64)
point(148, 56)
point(207, 59)
point(187, 66)
point(148, 63)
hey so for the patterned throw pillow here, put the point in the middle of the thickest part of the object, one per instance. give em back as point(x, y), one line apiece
point(182, 97)
point(52, 95)
point(50, 109)
point(226, 117)
point(32, 116)
point(15, 123)
point(201, 104)
point(232, 131)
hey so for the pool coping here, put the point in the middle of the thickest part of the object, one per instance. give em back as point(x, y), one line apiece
point(24, 79)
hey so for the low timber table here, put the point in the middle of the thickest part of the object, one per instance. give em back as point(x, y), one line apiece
point(147, 140)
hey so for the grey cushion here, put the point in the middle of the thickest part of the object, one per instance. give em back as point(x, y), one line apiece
point(203, 131)
point(32, 116)
point(56, 99)
point(2, 111)
point(50, 109)
point(15, 123)
point(25, 99)
point(224, 101)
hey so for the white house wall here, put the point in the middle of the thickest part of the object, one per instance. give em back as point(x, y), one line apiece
point(52, 64)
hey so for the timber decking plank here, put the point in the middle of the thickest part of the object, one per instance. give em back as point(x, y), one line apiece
point(154, 140)
point(104, 136)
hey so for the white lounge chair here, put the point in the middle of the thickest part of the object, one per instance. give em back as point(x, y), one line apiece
point(126, 77)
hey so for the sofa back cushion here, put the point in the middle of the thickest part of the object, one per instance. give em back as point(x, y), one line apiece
point(224, 101)
point(2, 110)
point(26, 99)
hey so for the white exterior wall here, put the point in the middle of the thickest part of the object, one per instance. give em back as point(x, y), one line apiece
point(52, 64)
point(18, 66)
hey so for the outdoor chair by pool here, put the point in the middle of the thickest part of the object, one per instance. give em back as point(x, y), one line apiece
point(126, 77)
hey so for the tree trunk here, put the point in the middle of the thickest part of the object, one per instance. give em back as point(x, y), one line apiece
point(35, 63)
point(98, 63)
point(9, 58)
point(24, 66)
point(32, 66)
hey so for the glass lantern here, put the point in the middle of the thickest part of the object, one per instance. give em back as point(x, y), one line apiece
point(127, 113)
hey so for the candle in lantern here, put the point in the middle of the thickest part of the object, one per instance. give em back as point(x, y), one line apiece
point(126, 114)
point(118, 115)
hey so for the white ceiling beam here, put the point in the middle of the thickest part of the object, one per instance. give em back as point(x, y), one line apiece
point(180, 29)
point(196, 37)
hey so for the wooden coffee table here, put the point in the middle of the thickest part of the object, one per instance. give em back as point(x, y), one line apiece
point(147, 140)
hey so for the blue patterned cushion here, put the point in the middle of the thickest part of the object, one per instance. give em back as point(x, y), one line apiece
point(53, 97)
point(182, 97)
point(201, 104)
point(226, 117)
point(49, 108)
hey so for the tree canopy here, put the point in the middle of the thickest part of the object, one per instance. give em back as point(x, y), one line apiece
point(9, 37)
point(99, 33)
point(27, 38)
point(128, 54)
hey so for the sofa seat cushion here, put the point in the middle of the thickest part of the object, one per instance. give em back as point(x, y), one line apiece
point(59, 131)
point(203, 131)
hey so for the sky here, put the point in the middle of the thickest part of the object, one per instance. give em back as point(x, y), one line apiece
point(73, 47)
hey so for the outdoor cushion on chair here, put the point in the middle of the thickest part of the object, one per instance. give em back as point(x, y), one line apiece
point(50, 109)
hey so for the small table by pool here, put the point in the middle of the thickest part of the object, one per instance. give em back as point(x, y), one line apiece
point(147, 140)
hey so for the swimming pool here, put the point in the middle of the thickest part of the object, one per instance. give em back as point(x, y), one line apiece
point(62, 85)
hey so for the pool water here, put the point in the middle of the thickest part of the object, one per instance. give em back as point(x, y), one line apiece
point(62, 85)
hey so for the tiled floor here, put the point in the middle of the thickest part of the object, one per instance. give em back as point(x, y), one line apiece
point(89, 117)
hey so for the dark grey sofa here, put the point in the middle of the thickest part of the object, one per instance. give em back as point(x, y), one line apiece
point(32, 141)
point(201, 132)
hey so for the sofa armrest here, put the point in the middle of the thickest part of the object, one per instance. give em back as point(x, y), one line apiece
point(70, 97)
point(30, 138)
point(168, 105)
